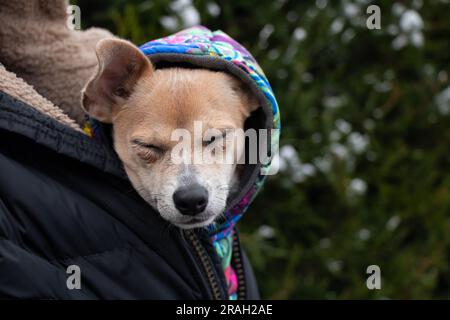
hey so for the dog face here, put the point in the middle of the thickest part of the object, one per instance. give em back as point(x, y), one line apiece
point(151, 110)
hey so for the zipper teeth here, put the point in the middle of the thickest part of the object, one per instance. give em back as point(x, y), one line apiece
point(215, 288)
point(239, 268)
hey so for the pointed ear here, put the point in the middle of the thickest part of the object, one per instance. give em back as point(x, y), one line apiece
point(120, 66)
point(249, 100)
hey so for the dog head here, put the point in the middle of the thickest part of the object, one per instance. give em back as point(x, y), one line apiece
point(152, 110)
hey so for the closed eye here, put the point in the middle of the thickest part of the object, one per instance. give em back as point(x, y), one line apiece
point(146, 151)
point(213, 139)
point(146, 145)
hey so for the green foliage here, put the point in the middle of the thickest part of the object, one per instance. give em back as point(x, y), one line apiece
point(366, 135)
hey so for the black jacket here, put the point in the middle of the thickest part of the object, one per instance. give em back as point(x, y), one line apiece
point(65, 200)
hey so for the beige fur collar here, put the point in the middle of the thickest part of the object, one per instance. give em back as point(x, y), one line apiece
point(19, 89)
point(37, 46)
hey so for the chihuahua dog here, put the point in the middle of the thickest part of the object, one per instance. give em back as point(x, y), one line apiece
point(146, 105)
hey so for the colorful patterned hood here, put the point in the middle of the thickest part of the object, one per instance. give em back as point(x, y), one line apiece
point(200, 47)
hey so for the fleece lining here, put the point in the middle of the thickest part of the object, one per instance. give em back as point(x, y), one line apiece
point(37, 46)
point(19, 89)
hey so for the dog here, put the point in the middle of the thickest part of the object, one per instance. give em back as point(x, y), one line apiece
point(145, 105)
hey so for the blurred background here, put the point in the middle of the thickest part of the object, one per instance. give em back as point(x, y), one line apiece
point(364, 158)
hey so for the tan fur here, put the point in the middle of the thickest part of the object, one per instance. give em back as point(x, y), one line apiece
point(156, 103)
point(37, 45)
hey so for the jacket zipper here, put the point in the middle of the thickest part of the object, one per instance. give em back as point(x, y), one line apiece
point(206, 264)
point(239, 267)
point(208, 268)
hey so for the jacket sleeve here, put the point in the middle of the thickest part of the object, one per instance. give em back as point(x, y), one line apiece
point(56, 212)
point(27, 276)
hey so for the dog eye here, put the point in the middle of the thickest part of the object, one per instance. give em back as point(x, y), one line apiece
point(146, 151)
point(209, 141)
point(143, 144)
point(213, 139)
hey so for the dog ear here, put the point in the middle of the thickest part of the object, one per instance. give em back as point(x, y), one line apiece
point(120, 66)
point(249, 101)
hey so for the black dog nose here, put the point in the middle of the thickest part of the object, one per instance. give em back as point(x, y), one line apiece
point(191, 200)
